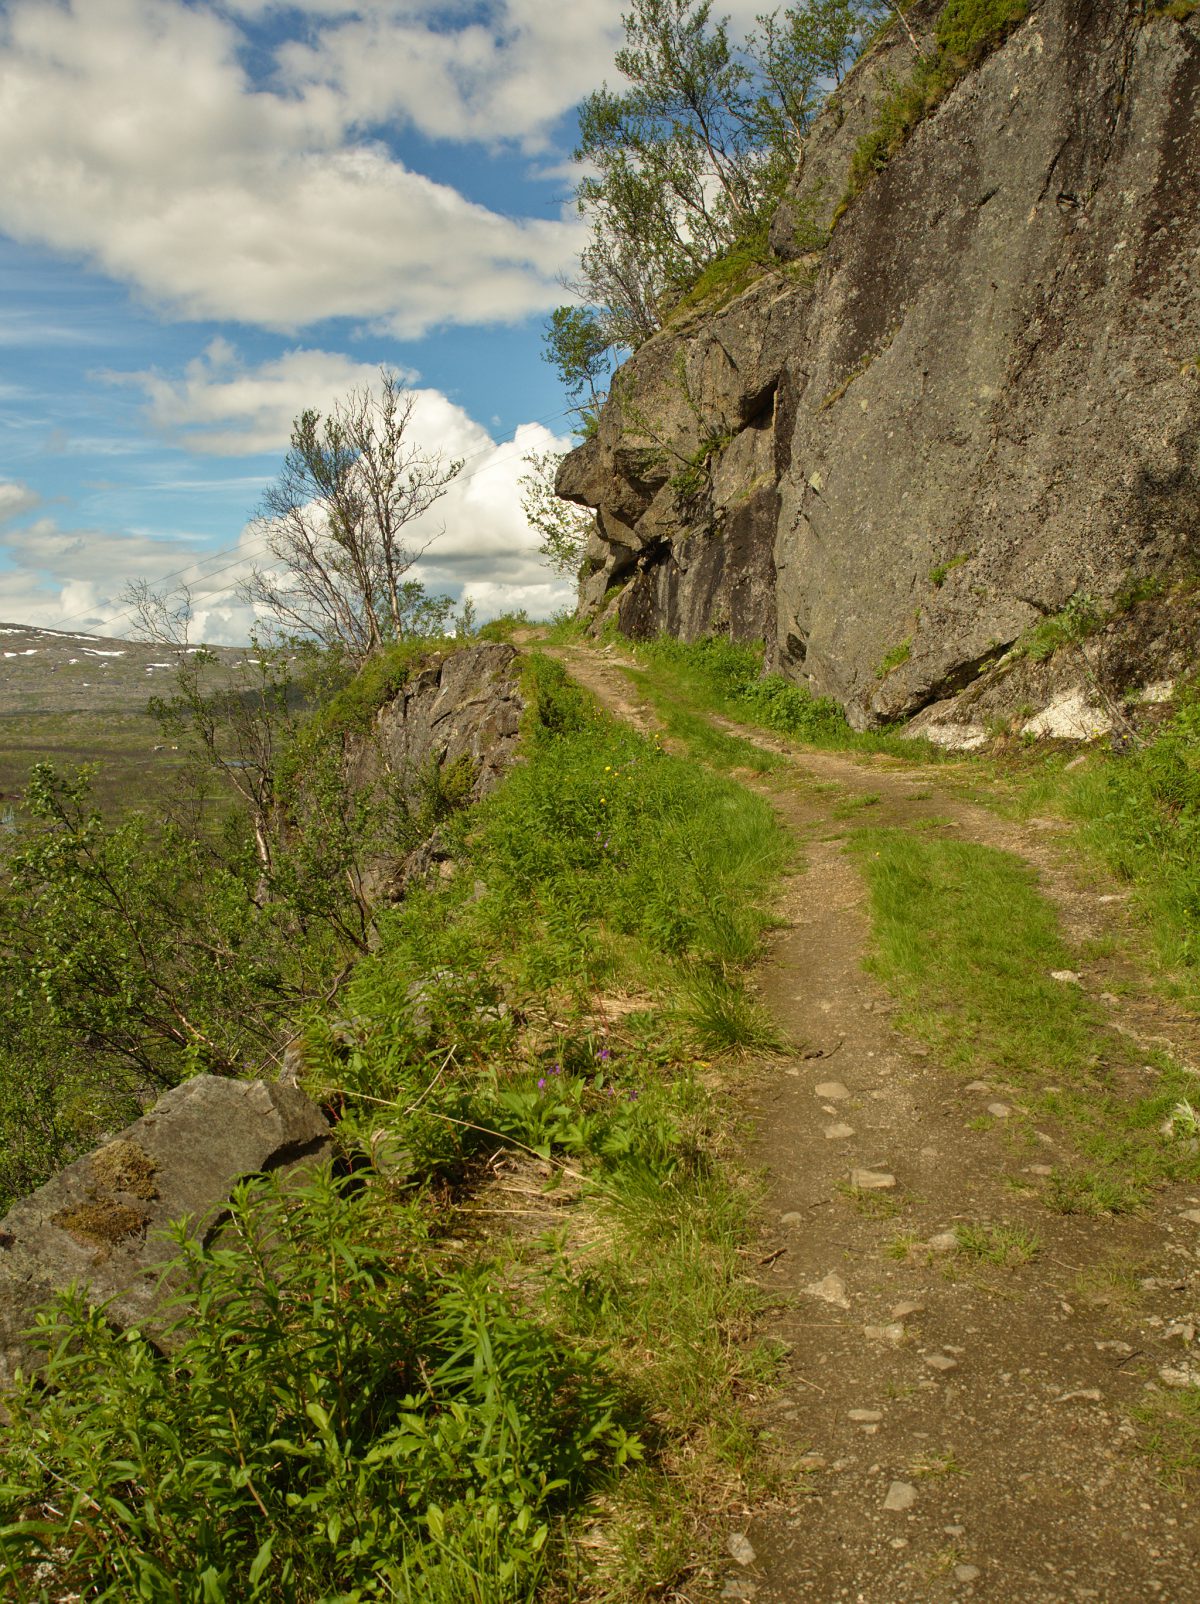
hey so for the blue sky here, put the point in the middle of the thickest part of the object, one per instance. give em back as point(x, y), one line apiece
point(214, 215)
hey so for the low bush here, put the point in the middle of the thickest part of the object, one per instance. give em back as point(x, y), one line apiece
point(336, 1418)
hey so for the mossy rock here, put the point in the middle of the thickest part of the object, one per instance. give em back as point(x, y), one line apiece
point(123, 1166)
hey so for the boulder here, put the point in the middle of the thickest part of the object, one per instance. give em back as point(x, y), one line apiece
point(99, 1223)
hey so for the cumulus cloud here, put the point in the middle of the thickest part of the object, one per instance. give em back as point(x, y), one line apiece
point(218, 406)
point(479, 545)
point(223, 199)
point(15, 498)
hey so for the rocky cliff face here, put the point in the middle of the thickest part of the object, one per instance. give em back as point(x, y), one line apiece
point(890, 458)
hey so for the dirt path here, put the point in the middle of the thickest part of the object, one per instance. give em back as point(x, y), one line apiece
point(964, 1429)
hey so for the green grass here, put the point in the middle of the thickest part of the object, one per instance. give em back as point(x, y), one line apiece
point(1005, 1245)
point(1170, 1433)
point(966, 941)
point(700, 735)
point(379, 1401)
point(899, 654)
point(717, 675)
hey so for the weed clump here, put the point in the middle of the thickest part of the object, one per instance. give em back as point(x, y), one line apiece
point(337, 1416)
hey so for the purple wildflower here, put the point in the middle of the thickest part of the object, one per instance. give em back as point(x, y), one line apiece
point(542, 1084)
point(604, 1055)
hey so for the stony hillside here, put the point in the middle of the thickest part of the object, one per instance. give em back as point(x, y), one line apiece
point(974, 405)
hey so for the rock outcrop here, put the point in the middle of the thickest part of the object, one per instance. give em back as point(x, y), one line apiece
point(459, 711)
point(890, 458)
point(454, 725)
point(98, 1224)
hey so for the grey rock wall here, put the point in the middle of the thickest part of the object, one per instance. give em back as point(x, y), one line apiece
point(990, 370)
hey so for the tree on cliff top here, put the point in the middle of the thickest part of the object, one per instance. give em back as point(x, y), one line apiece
point(690, 157)
point(338, 522)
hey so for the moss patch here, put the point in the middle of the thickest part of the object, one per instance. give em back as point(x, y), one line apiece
point(125, 1167)
point(100, 1224)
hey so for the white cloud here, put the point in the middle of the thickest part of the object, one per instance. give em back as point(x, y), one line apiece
point(506, 74)
point(221, 407)
point(133, 136)
point(481, 546)
point(15, 498)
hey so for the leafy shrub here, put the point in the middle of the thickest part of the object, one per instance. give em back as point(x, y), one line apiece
point(336, 1418)
point(1075, 622)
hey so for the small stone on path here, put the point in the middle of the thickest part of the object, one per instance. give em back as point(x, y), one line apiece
point(999, 1110)
point(941, 1361)
point(966, 1573)
point(905, 1311)
point(1080, 1395)
point(902, 1495)
point(838, 1132)
point(741, 1548)
point(1068, 977)
point(1039, 1169)
point(832, 1091)
point(866, 1417)
point(943, 1242)
point(977, 1086)
point(872, 1180)
point(889, 1333)
point(791, 1219)
point(739, 1587)
point(1170, 1377)
point(830, 1289)
point(1191, 1215)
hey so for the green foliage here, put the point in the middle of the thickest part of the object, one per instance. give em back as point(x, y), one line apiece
point(138, 947)
point(1076, 621)
point(893, 659)
point(349, 1409)
point(564, 527)
point(732, 673)
point(579, 347)
point(967, 31)
point(691, 155)
point(1139, 812)
point(336, 1418)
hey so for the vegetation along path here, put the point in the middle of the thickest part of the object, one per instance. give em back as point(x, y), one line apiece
point(979, 1236)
